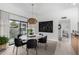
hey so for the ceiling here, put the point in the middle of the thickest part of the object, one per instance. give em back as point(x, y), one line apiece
point(43, 9)
point(42, 6)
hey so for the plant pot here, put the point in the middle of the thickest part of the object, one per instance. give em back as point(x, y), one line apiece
point(4, 46)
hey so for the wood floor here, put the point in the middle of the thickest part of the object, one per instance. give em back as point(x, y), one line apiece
point(64, 48)
point(54, 48)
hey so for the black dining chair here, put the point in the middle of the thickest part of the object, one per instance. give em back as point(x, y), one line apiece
point(18, 43)
point(43, 40)
point(31, 44)
point(19, 35)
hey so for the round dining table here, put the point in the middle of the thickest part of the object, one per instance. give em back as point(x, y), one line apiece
point(24, 38)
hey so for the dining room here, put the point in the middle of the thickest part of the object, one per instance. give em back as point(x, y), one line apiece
point(37, 28)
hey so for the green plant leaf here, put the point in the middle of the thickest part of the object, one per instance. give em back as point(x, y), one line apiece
point(3, 40)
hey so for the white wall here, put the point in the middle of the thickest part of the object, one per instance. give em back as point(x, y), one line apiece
point(51, 36)
point(78, 21)
point(71, 13)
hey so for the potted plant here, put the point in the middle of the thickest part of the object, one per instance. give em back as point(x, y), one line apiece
point(30, 31)
point(3, 42)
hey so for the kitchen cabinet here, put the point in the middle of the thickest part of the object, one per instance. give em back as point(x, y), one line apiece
point(75, 43)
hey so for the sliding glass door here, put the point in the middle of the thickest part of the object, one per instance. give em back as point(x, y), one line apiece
point(17, 27)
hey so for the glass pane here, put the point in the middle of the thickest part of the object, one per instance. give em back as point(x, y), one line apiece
point(14, 30)
point(23, 28)
point(17, 27)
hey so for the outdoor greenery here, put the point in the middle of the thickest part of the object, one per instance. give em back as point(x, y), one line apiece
point(14, 24)
point(14, 27)
point(3, 40)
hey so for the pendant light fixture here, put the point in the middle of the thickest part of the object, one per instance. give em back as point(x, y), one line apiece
point(32, 20)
